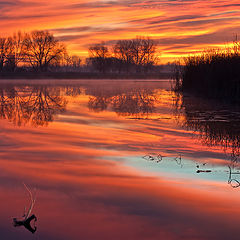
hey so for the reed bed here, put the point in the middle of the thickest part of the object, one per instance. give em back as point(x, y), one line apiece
point(214, 73)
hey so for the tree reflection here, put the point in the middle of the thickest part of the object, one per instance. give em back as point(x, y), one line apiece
point(98, 103)
point(217, 125)
point(135, 102)
point(35, 105)
point(73, 91)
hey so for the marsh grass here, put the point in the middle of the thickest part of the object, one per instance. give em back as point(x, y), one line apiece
point(214, 73)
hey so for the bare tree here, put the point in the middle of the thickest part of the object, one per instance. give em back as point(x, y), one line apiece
point(139, 52)
point(98, 55)
point(5, 51)
point(98, 51)
point(123, 51)
point(42, 50)
point(71, 62)
point(11, 52)
point(2, 52)
point(16, 55)
point(75, 61)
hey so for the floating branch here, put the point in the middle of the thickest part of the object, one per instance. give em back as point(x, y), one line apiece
point(233, 182)
point(178, 160)
point(158, 158)
point(203, 171)
point(26, 219)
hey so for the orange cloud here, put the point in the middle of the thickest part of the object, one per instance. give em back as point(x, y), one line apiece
point(181, 27)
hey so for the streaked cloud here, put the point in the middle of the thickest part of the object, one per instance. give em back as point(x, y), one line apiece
point(183, 25)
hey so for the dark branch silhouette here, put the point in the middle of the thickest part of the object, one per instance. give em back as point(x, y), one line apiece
point(27, 218)
point(42, 50)
point(135, 55)
point(232, 181)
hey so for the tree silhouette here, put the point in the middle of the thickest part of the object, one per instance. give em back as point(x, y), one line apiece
point(42, 50)
point(5, 50)
point(139, 52)
point(98, 55)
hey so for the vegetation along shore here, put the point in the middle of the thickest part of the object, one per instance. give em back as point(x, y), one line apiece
point(212, 74)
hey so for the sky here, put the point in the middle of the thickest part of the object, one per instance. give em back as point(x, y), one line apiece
point(180, 27)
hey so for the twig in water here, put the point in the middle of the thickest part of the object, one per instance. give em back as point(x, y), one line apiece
point(203, 171)
point(233, 182)
point(149, 157)
point(178, 160)
point(26, 219)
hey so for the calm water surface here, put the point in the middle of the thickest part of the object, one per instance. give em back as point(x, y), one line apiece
point(117, 160)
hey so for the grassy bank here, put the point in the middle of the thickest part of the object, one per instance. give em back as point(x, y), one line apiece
point(214, 74)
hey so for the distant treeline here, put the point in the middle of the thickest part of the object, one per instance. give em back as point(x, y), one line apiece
point(213, 73)
point(40, 51)
point(136, 55)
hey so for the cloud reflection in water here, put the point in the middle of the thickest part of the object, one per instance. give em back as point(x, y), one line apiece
point(87, 190)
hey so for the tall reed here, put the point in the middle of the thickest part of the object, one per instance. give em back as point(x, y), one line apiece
point(213, 73)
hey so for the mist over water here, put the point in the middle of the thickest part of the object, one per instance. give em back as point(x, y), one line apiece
point(117, 160)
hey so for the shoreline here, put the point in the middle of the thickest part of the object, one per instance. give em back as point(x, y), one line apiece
point(77, 75)
point(83, 82)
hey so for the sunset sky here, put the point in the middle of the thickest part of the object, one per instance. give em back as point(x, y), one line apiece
point(180, 26)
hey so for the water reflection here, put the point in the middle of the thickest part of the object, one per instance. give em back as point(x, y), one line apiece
point(30, 104)
point(233, 169)
point(136, 103)
point(90, 176)
point(216, 125)
point(37, 104)
point(73, 91)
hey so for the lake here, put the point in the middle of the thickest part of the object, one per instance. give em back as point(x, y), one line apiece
point(116, 160)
